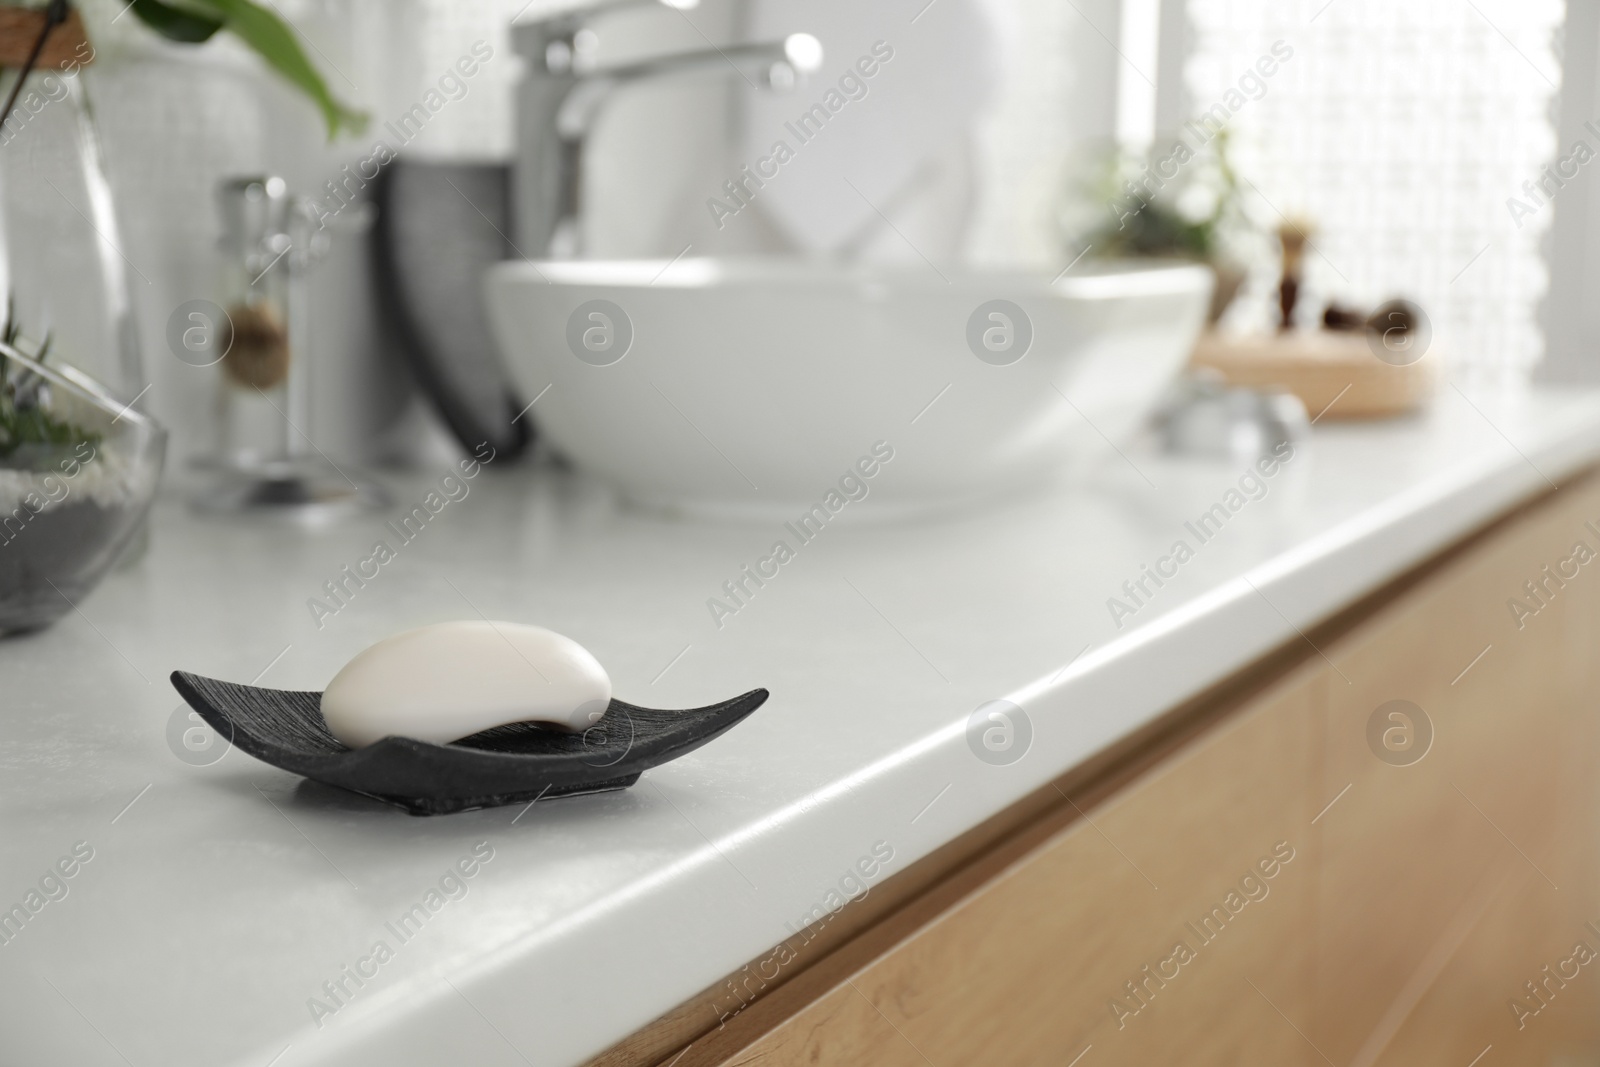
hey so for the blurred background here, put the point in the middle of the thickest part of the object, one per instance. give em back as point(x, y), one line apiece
point(1398, 133)
point(1061, 284)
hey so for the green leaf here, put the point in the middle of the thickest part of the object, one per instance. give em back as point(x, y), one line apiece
point(272, 39)
point(174, 23)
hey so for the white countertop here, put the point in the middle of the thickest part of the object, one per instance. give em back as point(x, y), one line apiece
point(219, 902)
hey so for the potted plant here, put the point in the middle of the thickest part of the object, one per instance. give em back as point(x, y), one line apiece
point(1181, 203)
point(78, 471)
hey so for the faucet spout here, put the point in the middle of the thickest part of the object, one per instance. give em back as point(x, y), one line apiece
point(560, 102)
point(776, 65)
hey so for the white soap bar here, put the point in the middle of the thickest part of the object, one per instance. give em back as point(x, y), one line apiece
point(445, 682)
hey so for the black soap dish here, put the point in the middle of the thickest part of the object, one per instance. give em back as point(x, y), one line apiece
point(505, 765)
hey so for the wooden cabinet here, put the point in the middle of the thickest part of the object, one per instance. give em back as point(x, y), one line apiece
point(1033, 962)
point(1450, 882)
point(1281, 882)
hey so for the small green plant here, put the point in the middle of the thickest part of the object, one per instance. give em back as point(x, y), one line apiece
point(260, 28)
point(197, 21)
point(23, 421)
point(1182, 203)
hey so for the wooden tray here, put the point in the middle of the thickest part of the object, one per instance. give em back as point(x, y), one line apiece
point(1321, 367)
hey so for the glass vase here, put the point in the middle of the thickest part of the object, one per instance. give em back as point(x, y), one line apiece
point(78, 470)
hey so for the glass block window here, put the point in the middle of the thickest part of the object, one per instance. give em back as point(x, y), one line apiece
point(1401, 130)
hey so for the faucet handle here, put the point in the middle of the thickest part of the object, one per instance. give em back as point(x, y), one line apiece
point(582, 15)
point(580, 12)
point(535, 35)
point(602, 6)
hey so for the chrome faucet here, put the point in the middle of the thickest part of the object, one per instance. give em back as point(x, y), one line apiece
point(563, 92)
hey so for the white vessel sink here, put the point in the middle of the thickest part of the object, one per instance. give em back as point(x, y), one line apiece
point(751, 386)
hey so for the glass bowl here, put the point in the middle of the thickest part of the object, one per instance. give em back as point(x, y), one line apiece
point(78, 471)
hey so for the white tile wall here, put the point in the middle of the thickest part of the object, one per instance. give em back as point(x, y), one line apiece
point(1401, 128)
